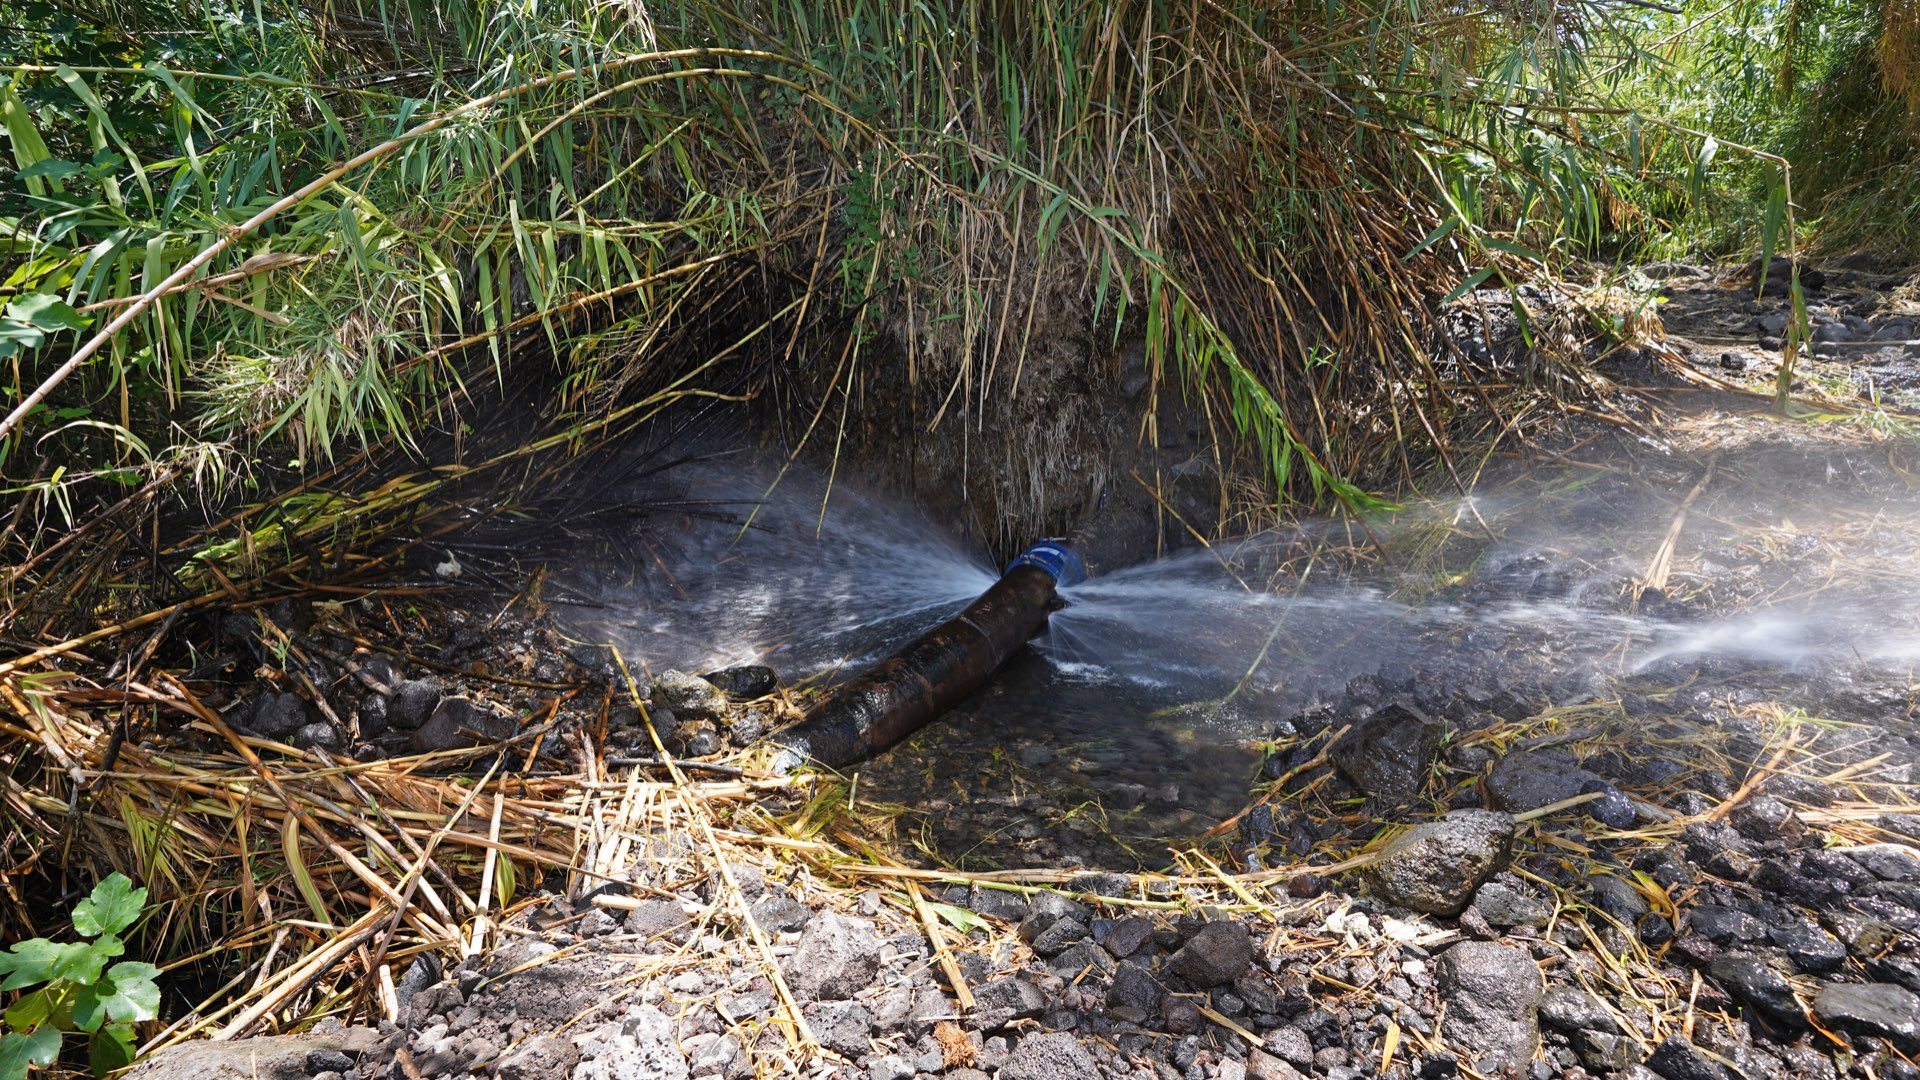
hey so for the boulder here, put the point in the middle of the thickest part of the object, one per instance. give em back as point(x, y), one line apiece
point(1436, 866)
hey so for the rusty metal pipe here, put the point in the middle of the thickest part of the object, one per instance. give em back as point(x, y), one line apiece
point(906, 692)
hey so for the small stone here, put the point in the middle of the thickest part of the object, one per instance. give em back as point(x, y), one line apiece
point(1888, 862)
point(1387, 755)
point(1750, 980)
point(1504, 907)
point(459, 722)
point(745, 682)
point(1571, 1009)
point(413, 701)
point(779, 915)
point(1436, 866)
point(1053, 1055)
point(841, 1026)
point(1128, 936)
point(1291, 1045)
point(1056, 938)
point(997, 904)
point(890, 1067)
point(1725, 925)
point(837, 957)
point(1811, 949)
point(1002, 1001)
point(1873, 1008)
point(279, 715)
point(1135, 987)
point(689, 696)
point(1492, 994)
point(1676, 1059)
point(543, 1057)
point(1531, 779)
point(1219, 953)
point(317, 736)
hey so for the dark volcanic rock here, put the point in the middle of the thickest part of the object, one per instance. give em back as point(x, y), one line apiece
point(1534, 778)
point(841, 1026)
point(1492, 994)
point(1811, 949)
point(1751, 980)
point(1387, 755)
point(1725, 925)
point(413, 701)
point(458, 722)
point(1676, 1059)
point(746, 681)
point(1003, 1001)
point(1057, 938)
point(1219, 953)
point(1435, 867)
point(1128, 936)
point(1054, 1055)
point(837, 957)
point(279, 715)
point(997, 903)
point(1134, 987)
point(1502, 906)
point(1874, 1008)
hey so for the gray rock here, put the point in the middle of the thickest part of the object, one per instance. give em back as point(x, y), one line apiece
point(413, 701)
point(1387, 755)
point(1217, 954)
point(844, 1027)
point(371, 716)
point(1264, 1066)
point(1756, 984)
point(1054, 1055)
point(890, 1067)
point(717, 1056)
point(1134, 986)
point(1531, 779)
point(1002, 1001)
point(1873, 1008)
point(837, 957)
point(1436, 866)
point(1835, 332)
point(779, 915)
point(689, 696)
point(658, 918)
point(1725, 925)
point(1503, 907)
point(640, 1044)
point(1571, 1009)
point(1492, 994)
point(1084, 957)
point(543, 1057)
point(1292, 1046)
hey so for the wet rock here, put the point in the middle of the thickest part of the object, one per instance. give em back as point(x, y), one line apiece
point(745, 682)
point(413, 701)
point(1053, 1055)
point(689, 696)
point(1725, 925)
point(371, 716)
point(1751, 980)
point(1888, 862)
point(837, 957)
point(1503, 907)
point(1571, 1009)
point(1435, 867)
point(1764, 818)
point(1810, 949)
point(1492, 994)
point(841, 1026)
point(543, 1057)
point(279, 715)
point(1531, 779)
point(1217, 954)
point(459, 722)
point(641, 1044)
point(1677, 1059)
point(319, 735)
point(1872, 1008)
point(1387, 755)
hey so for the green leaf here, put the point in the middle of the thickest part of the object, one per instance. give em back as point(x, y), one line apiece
point(127, 995)
point(962, 920)
point(51, 168)
point(111, 908)
point(30, 1011)
point(45, 311)
point(82, 963)
point(111, 1048)
point(1467, 286)
point(17, 1052)
point(32, 962)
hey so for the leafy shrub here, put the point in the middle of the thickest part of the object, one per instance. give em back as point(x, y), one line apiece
point(77, 992)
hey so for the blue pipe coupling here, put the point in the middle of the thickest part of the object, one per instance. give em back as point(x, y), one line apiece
point(1056, 558)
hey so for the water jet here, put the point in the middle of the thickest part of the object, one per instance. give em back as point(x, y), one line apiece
point(936, 671)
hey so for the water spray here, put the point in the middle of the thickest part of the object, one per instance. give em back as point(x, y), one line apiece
point(904, 693)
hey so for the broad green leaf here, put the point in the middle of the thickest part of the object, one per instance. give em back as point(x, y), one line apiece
point(30, 1011)
point(17, 1052)
point(51, 168)
point(961, 919)
point(111, 1048)
point(32, 962)
point(82, 963)
point(112, 907)
point(45, 311)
